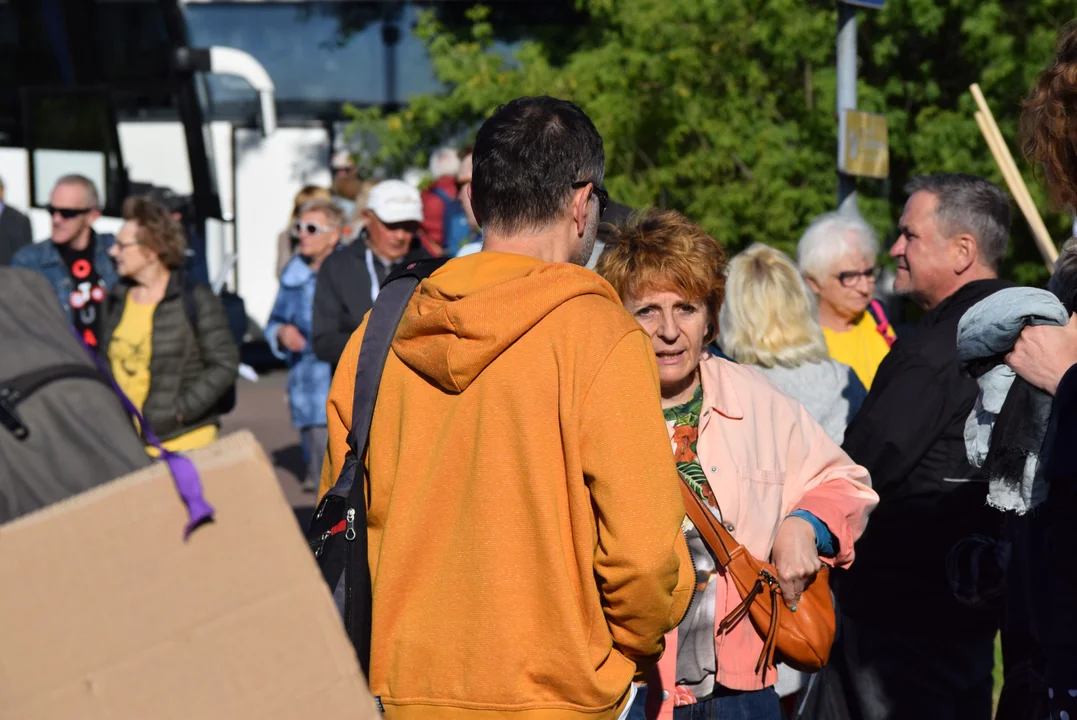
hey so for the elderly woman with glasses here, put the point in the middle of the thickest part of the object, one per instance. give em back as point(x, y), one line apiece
point(837, 256)
point(761, 464)
point(319, 226)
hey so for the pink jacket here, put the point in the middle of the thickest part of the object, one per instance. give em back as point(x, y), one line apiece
point(764, 457)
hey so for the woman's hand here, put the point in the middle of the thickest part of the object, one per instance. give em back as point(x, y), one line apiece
point(1044, 353)
point(291, 338)
point(795, 557)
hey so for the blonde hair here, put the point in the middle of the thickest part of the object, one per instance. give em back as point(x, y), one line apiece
point(328, 208)
point(306, 195)
point(768, 317)
point(661, 250)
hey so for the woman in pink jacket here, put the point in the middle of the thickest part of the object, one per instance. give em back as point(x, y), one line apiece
point(763, 466)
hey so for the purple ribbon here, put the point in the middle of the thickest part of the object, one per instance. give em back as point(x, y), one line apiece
point(184, 474)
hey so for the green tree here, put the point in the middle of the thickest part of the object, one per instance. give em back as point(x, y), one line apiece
point(724, 109)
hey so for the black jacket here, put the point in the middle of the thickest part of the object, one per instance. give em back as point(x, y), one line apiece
point(188, 374)
point(910, 435)
point(15, 233)
point(1059, 636)
point(342, 298)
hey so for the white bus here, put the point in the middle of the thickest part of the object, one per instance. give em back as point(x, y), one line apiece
point(235, 103)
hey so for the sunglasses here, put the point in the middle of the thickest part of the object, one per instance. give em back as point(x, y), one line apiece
point(849, 277)
point(310, 228)
point(67, 213)
point(596, 190)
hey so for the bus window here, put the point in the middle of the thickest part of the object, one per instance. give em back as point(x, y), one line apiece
point(321, 54)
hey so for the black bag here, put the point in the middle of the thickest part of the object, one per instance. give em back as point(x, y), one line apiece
point(337, 532)
point(234, 309)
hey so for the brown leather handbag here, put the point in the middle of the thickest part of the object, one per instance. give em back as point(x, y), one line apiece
point(801, 638)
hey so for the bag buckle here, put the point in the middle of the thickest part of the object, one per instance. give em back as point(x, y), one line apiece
point(9, 415)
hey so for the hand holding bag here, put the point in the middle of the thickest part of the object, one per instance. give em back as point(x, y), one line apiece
point(800, 638)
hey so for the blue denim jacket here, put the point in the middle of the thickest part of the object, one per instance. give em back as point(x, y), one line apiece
point(308, 377)
point(45, 259)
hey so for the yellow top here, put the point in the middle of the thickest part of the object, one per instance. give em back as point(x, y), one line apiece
point(861, 348)
point(129, 354)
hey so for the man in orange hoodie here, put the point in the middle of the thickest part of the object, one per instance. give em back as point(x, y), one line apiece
point(526, 555)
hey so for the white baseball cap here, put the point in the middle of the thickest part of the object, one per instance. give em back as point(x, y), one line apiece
point(395, 201)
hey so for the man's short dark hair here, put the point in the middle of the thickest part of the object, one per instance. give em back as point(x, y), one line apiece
point(527, 156)
point(970, 204)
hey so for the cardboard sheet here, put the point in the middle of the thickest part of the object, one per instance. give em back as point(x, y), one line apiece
point(106, 613)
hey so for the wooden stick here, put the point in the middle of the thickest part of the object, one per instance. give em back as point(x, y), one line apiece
point(989, 128)
point(1009, 172)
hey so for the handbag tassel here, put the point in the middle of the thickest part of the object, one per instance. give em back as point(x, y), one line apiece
point(738, 613)
point(770, 643)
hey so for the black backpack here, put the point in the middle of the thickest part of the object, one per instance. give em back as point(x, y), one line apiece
point(236, 312)
point(337, 533)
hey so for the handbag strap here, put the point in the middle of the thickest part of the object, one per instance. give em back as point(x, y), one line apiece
point(381, 326)
point(882, 323)
point(184, 474)
point(716, 537)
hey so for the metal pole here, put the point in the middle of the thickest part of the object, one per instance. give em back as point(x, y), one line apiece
point(846, 93)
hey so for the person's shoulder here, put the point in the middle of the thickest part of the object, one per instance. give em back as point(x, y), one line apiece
point(735, 386)
point(202, 294)
point(341, 258)
point(33, 254)
point(14, 214)
point(596, 314)
point(739, 378)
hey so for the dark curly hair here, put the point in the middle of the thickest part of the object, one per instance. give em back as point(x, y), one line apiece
point(1049, 119)
point(158, 232)
point(662, 250)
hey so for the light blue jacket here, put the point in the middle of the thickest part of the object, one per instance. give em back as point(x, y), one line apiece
point(308, 377)
point(45, 259)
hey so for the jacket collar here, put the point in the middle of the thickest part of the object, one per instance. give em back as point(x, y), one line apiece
point(297, 272)
point(963, 298)
point(176, 282)
point(719, 392)
point(101, 244)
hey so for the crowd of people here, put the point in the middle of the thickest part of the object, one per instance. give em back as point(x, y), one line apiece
point(538, 423)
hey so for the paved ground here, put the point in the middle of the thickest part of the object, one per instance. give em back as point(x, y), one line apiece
point(262, 408)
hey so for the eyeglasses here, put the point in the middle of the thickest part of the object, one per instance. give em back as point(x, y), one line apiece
point(598, 191)
point(848, 278)
point(310, 228)
point(67, 213)
point(124, 245)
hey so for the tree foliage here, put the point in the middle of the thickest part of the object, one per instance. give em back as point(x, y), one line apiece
point(724, 109)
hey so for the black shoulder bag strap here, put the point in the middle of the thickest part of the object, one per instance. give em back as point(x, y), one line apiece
point(378, 336)
point(381, 326)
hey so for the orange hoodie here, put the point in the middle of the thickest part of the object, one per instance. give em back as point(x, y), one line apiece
point(524, 521)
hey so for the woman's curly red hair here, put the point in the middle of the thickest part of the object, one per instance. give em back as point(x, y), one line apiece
point(662, 250)
point(1049, 119)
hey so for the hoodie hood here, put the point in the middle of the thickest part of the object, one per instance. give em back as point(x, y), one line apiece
point(473, 308)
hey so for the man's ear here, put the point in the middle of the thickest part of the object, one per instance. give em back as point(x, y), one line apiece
point(474, 211)
point(964, 252)
point(579, 207)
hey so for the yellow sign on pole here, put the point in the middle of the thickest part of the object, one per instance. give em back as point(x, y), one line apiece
point(865, 150)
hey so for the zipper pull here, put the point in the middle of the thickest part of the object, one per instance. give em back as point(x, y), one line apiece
point(349, 532)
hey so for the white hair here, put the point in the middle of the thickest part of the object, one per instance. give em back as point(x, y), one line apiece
point(444, 161)
point(831, 237)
